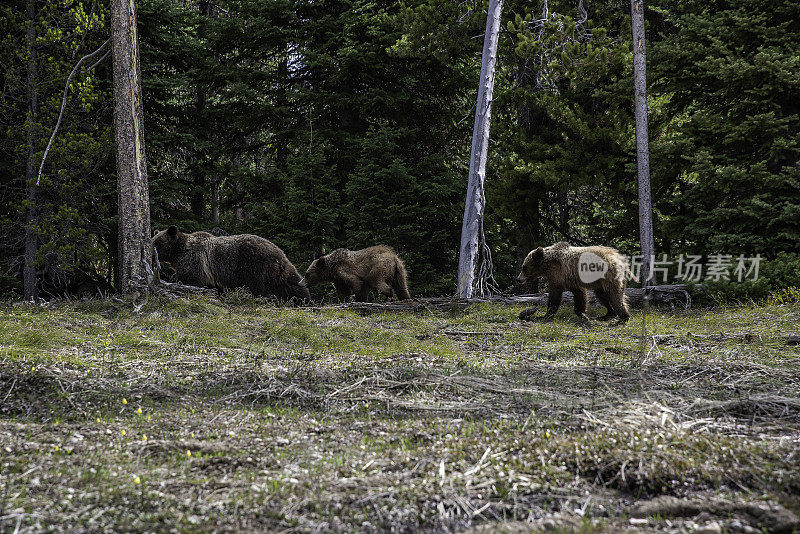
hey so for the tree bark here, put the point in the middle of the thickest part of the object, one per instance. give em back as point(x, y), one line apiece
point(200, 181)
point(642, 148)
point(215, 201)
point(31, 238)
point(472, 227)
point(563, 214)
point(135, 249)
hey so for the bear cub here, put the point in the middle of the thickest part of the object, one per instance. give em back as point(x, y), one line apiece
point(359, 271)
point(227, 262)
point(576, 269)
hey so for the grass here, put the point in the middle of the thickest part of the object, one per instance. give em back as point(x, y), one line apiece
point(233, 414)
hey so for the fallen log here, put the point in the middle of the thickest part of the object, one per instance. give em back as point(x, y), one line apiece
point(667, 295)
point(177, 289)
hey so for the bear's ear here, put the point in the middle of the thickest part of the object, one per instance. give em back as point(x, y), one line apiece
point(172, 231)
point(321, 262)
point(538, 256)
point(155, 232)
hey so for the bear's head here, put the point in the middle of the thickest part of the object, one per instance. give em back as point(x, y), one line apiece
point(532, 267)
point(169, 244)
point(317, 272)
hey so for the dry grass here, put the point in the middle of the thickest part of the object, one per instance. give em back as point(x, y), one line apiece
point(231, 415)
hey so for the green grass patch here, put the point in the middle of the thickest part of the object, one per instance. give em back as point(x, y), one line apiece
point(236, 414)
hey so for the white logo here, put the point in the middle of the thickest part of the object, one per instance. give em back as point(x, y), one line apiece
point(591, 267)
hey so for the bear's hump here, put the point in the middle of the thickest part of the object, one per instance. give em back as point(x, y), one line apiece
point(199, 236)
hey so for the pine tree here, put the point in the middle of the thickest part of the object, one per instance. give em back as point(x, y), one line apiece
point(319, 129)
point(730, 69)
point(70, 225)
point(565, 149)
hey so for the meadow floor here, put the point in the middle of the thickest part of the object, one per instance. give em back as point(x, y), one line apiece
point(236, 415)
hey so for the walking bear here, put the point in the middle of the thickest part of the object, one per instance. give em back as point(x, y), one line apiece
point(227, 262)
point(358, 271)
point(577, 269)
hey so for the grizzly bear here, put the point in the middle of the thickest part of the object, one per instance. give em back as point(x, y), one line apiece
point(227, 262)
point(577, 269)
point(358, 271)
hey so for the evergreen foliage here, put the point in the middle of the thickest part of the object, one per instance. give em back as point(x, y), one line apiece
point(329, 123)
point(76, 197)
point(731, 72)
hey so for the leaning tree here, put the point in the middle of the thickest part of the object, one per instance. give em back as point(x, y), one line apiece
point(474, 257)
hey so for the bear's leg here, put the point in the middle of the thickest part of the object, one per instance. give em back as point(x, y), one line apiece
point(257, 287)
point(581, 302)
point(554, 300)
point(343, 290)
point(553, 303)
point(617, 301)
point(360, 288)
point(384, 288)
point(603, 298)
point(376, 279)
point(363, 293)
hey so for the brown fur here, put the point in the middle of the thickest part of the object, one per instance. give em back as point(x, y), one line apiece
point(559, 264)
point(358, 271)
point(227, 262)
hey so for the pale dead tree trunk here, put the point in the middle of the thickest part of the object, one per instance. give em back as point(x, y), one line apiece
point(472, 227)
point(135, 250)
point(31, 237)
point(642, 148)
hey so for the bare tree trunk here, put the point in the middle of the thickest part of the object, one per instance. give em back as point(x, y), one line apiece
point(642, 148)
point(282, 148)
point(200, 181)
point(472, 228)
point(215, 201)
point(563, 214)
point(31, 237)
point(135, 249)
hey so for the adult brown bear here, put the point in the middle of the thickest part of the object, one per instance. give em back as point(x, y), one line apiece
point(227, 262)
point(358, 271)
point(577, 269)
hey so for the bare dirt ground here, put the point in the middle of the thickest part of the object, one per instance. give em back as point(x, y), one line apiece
point(236, 415)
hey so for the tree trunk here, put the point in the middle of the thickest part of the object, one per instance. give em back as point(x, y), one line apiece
point(472, 228)
point(31, 238)
point(135, 249)
point(215, 202)
point(201, 182)
point(642, 149)
point(198, 201)
point(281, 103)
point(563, 214)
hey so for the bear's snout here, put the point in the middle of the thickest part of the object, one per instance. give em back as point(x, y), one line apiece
point(521, 278)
